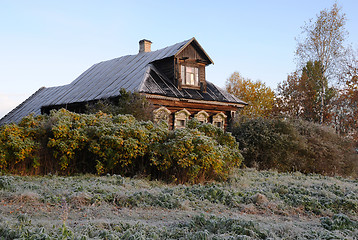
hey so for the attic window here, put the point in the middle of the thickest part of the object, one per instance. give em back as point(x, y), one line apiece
point(190, 75)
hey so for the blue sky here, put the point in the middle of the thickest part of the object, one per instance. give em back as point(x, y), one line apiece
point(50, 43)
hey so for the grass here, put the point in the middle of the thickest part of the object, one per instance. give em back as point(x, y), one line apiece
point(250, 205)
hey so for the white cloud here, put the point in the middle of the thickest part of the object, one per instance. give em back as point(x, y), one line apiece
point(9, 102)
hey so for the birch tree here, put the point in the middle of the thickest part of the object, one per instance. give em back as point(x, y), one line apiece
point(323, 40)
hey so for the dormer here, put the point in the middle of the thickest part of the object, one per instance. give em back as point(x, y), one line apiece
point(190, 63)
point(186, 68)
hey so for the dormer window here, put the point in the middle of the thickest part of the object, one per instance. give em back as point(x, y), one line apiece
point(189, 75)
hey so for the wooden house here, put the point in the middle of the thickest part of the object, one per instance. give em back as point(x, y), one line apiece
point(173, 79)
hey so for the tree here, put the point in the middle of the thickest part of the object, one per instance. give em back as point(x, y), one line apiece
point(288, 97)
point(346, 102)
point(126, 103)
point(300, 95)
point(323, 41)
point(259, 97)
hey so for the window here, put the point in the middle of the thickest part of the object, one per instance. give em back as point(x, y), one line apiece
point(219, 120)
point(181, 118)
point(181, 123)
point(161, 113)
point(190, 75)
point(202, 116)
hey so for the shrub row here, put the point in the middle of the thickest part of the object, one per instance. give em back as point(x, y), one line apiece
point(294, 145)
point(68, 143)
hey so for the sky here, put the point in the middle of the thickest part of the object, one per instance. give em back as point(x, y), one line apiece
point(50, 43)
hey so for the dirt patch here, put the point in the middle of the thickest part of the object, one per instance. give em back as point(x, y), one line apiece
point(24, 198)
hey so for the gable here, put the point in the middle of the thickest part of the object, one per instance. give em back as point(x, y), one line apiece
point(195, 53)
point(193, 50)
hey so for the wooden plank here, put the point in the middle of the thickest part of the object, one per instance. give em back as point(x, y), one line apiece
point(197, 106)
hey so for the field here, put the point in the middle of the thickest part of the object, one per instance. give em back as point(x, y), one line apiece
point(249, 205)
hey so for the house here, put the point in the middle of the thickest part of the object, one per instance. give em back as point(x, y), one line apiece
point(173, 79)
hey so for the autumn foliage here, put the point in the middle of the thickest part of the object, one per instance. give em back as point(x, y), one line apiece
point(66, 143)
point(301, 95)
point(260, 98)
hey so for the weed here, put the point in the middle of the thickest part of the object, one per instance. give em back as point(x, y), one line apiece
point(339, 222)
point(6, 182)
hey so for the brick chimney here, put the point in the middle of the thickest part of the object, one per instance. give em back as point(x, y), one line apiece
point(144, 45)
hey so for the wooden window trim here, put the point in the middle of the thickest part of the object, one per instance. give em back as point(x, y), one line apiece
point(161, 113)
point(202, 113)
point(219, 118)
point(185, 73)
point(178, 118)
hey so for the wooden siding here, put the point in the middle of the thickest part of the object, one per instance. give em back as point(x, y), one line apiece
point(191, 53)
point(202, 79)
point(194, 108)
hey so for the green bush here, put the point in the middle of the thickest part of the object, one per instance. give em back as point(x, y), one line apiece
point(294, 145)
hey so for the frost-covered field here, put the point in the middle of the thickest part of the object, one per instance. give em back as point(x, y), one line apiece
point(250, 205)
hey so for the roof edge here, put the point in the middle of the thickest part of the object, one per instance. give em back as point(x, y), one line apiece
point(3, 119)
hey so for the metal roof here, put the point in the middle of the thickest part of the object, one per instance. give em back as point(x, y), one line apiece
point(104, 79)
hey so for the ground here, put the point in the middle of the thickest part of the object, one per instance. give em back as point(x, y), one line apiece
point(249, 205)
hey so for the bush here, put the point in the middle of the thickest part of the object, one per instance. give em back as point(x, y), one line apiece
point(68, 143)
point(18, 149)
point(294, 145)
point(197, 153)
point(122, 144)
point(67, 137)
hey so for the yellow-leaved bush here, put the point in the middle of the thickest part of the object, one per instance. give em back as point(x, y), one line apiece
point(197, 153)
point(67, 143)
point(18, 149)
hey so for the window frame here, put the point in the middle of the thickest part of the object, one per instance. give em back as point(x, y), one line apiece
point(184, 75)
point(202, 116)
point(219, 119)
point(161, 113)
point(181, 117)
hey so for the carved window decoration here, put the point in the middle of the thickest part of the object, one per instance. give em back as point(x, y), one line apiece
point(189, 75)
point(181, 117)
point(202, 116)
point(219, 120)
point(161, 113)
